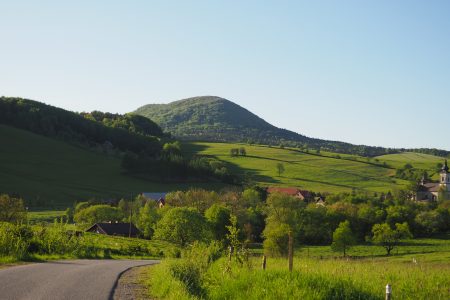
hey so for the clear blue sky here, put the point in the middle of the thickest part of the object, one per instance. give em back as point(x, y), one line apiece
point(365, 72)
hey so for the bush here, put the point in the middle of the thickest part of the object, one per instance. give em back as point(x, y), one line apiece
point(14, 240)
point(22, 241)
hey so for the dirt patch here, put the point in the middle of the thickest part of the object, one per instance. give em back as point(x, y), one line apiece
point(131, 285)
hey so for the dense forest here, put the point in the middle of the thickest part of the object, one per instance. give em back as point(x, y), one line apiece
point(214, 119)
point(71, 127)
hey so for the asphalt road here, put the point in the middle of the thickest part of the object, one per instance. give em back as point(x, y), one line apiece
point(68, 279)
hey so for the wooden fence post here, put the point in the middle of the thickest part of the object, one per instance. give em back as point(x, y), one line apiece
point(291, 251)
point(388, 292)
point(264, 261)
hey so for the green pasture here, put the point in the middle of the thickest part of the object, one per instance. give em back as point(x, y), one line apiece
point(52, 174)
point(321, 173)
point(417, 160)
point(46, 216)
point(420, 269)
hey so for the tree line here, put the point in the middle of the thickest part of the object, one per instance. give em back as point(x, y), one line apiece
point(71, 127)
point(346, 219)
point(254, 216)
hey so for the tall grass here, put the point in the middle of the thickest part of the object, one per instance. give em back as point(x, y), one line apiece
point(331, 279)
point(53, 241)
point(23, 242)
point(312, 278)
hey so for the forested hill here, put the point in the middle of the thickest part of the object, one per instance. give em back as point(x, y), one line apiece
point(123, 132)
point(216, 119)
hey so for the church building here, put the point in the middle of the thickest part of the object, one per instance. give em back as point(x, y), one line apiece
point(430, 191)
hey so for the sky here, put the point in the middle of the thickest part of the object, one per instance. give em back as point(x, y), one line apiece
point(365, 72)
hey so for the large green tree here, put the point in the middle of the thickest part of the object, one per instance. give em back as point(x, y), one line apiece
point(218, 218)
point(182, 226)
point(283, 216)
point(343, 238)
point(387, 237)
point(98, 213)
point(147, 218)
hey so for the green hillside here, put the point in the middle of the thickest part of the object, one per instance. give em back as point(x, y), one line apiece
point(420, 162)
point(214, 119)
point(51, 173)
point(417, 160)
point(303, 170)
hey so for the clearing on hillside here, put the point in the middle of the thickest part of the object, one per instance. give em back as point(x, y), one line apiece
point(303, 170)
point(417, 160)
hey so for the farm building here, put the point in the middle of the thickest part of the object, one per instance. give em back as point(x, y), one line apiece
point(119, 229)
point(431, 191)
point(160, 198)
point(294, 192)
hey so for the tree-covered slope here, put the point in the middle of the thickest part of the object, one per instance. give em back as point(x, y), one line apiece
point(216, 119)
point(123, 133)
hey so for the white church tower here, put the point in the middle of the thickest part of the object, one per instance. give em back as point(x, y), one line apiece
point(445, 178)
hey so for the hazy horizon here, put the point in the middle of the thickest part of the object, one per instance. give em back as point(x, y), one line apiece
point(364, 73)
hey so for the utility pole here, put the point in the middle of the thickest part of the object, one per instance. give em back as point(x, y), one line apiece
point(131, 215)
point(291, 251)
point(129, 229)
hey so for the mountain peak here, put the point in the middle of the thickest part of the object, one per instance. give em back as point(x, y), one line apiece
point(196, 113)
point(216, 119)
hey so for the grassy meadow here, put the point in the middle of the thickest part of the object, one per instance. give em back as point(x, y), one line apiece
point(321, 173)
point(54, 174)
point(45, 216)
point(417, 160)
point(318, 274)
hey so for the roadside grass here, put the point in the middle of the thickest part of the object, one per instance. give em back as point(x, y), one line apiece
point(89, 245)
point(330, 279)
point(320, 273)
point(52, 174)
point(320, 173)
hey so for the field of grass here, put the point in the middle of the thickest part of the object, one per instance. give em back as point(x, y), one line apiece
point(46, 216)
point(417, 160)
point(56, 174)
point(318, 274)
point(320, 173)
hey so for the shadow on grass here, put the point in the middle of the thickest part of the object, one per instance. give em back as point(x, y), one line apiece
point(324, 182)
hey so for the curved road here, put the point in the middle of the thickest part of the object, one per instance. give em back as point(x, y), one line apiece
point(68, 279)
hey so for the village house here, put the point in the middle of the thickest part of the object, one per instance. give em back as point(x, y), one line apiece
point(118, 229)
point(294, 192)
point(159, 198)
point(431, 191)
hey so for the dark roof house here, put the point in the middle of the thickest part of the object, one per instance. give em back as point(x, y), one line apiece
point(160, 198)
point(119, 229)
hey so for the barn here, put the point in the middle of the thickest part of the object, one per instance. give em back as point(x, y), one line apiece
point(118, 229)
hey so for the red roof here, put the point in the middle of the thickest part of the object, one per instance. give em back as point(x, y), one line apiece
point(289, 191)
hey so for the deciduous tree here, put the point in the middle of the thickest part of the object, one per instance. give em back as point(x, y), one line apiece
point(343, 238)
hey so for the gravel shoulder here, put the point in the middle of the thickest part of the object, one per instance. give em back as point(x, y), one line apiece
point(131, 285)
